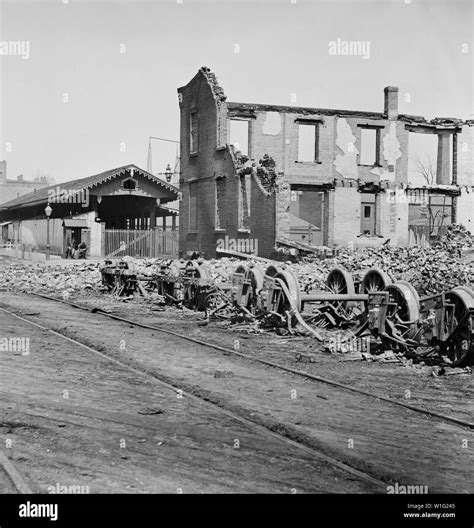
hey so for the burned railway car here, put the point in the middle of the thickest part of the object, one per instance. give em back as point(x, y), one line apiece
point(391, 314)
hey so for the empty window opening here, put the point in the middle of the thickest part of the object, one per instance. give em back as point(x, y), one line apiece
point(422, 158)
point(239, 135)
point(430, 218)
point(369, 146)
point(244, 201)
point(308, 142)
point(220, 197)
point(193, 133)
point(193, 196)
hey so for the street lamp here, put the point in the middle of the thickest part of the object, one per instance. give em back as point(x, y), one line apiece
point(48, 212)
point(149, 163)
point(168, 173)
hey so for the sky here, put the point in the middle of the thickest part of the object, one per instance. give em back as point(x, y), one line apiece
point(100, 77)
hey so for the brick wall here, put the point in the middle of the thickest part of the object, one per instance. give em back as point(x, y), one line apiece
point(280, 140)
point(203, 96)
point(393, 219)
point(465, 212)
point(466, 156)
point(346, 215)
point(274, 131)
point(199, 96)
point(262, 220)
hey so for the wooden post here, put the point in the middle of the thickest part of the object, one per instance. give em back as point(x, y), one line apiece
point(454, 209)
point(102, 239)
point(163, 241)
point(65, 244)
point(153, 231)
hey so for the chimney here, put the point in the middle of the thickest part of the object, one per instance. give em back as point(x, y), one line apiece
point(19, 177)
point(391, 102)
point(3, 172)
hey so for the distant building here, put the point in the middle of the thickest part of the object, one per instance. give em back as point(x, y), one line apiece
point(256, 176)
point(11, 189)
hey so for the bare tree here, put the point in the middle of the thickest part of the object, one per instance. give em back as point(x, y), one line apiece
point(425, 168)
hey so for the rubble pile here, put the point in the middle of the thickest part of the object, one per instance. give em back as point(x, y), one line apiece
point(222, 268)
point(150, 266)
point(457, 237)
point(50, 278)
point(267, 174)
point(429, 270)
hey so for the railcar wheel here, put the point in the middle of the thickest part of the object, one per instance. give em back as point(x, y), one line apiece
point(405, 298)
point(411, 291)
point(291, 282)
point(466, 289)
point(257, 276)
point(242, 268)
point(272, 271)
point(403, 314)
point(289, 278)
point(339, 281)
point(460, 350)
point(374, 280)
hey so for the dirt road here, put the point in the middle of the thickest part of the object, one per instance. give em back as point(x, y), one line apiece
point(389, 442)
point(74, 419)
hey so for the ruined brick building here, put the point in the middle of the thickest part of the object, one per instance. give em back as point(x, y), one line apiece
point(256, 176)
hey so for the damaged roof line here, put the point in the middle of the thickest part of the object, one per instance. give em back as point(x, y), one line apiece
point(301, 110)
point(438, 122)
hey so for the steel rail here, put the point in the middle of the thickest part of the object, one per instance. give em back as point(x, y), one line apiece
point(365, 476)
point(434, 414)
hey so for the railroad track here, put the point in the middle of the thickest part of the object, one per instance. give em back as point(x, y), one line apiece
point(11, 480)
point(22, 487)
point(319, 379)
